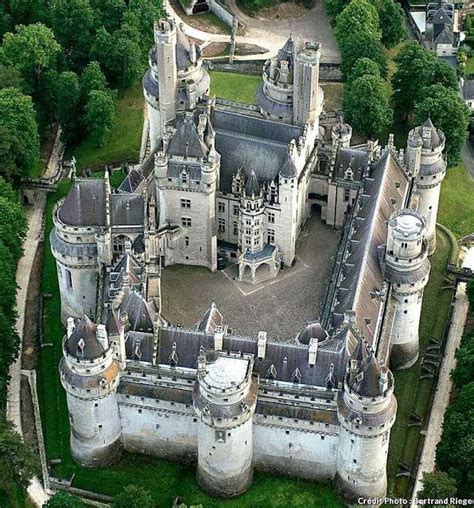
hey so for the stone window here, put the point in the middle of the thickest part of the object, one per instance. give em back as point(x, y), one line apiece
point(221, 225)
point(347, 193)
point(236, 210)
point(185, 203)
point(186, 241)
point(221, 206)
point(236, 228)
point(271, 217)
point(186, 221)
point(248, 231)
point(68, 279)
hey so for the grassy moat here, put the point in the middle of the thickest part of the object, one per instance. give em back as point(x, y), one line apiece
point(165, 479)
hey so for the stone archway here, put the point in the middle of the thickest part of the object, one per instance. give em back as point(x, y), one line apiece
point(118, 245)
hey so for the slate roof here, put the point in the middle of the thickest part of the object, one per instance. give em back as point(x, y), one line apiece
point(85, 204)
point(468, 89)
point(312, 331)
point(252, 143)
point(281, 358)
point(127, 209)
point(252, 187)
point(445, 36)
point(362, 273)
point(357, 159)
point(273, 107)
point(150, 85)
point(83, 342)
point(186, 140)
point(211, 320)
point(366, 383)
point(288, 168)
point(140, 346)
point(139, 313)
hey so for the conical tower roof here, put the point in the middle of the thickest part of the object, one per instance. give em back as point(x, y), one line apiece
point(83, 342)
point(252, 187)
point(435, 139)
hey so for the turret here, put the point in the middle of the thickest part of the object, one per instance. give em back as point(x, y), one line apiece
point(341, 134)
point(366, 413)
point(425, 160)
point(252, 215)
point(90, 375)
point(308, 96)
point(407, 268)
point(224, 399)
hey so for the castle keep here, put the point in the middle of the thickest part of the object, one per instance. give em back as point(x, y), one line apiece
point(241, 180)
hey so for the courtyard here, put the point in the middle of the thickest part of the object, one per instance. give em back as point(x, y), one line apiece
point(280, 306)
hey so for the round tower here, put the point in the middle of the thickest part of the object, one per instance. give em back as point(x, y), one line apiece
point(366, 413)
point(90, 375)
point(341, 133)
point(224, 398)
point(407, 268)
point(77, 219)
point(426, 161)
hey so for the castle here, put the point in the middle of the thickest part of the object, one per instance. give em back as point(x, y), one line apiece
point(224, 177)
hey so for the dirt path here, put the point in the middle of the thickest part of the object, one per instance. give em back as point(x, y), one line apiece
point(272, 34)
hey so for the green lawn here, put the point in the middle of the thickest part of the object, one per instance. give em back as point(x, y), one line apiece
point(457, 201)
point(333, 96)
point(234, 87)
point(124, 140)
point(470, 66)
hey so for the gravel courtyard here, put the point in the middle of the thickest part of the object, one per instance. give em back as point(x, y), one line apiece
point(280, 306)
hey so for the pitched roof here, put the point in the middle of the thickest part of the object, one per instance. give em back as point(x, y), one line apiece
point(211, 320)
point(186, 140)
point(85, 204)
point(83, 342)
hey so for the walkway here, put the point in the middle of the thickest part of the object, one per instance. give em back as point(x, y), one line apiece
point(35, 216)
point(272, 34)
point(443, 390)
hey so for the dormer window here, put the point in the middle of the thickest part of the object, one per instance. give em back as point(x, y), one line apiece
point(184, 177)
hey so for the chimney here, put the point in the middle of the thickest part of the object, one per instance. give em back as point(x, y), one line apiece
point(383, 380)
point(102, 336)
point(70, 326)
point(313, 351)
point(261, 344)
point(218, 339)
point(201, 365)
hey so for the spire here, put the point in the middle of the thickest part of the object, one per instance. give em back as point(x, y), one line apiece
point(252, 187)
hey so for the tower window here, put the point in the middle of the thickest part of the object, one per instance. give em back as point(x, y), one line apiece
point(68, 279)
point(186, 221)
point(271, 217)
point(236, 228)
point(221, 206)
point(270, 236)
point(185, 203)
point(236, 210)
point(186, 241)
point(347, 193)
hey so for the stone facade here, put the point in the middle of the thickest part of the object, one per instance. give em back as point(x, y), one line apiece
point(229, 180)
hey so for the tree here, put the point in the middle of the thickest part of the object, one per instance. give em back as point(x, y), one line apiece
point(10, 155)
point(5, 21)
point(462, 374)
point(362, 67)
point(392, 22)
point(334, 7)
point(11, 77)
point(27, 12)
point(366, 105)
point(32, 49)
point(358, 15)
point(437, 485)
point(448, 113)
point(110, 12)
point(68, 94)
point(64, 500)
point(443, 74)
point(73, 22)
point(146, 12)
point(18, 463)
point(99, 115)
point(92, 78)
point(359, 45)
point(13, 225)
point(455, 452)
point(17, 116)
point(133, 497)
point(470, 292)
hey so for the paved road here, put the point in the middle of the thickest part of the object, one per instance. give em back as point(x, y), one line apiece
point(272, 34)
point(443, 390)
